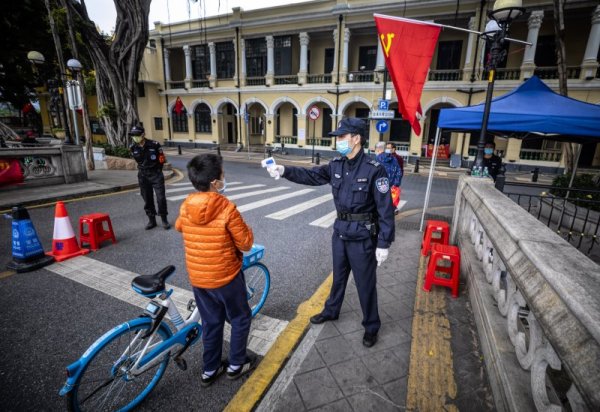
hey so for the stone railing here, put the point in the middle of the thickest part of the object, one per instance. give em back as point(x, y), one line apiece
point(49, 165)
point(536, 302)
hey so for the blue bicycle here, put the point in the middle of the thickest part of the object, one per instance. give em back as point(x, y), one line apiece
point(122, 367)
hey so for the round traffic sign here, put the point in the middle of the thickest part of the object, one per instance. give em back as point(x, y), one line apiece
point(314, 112)
point(382, 126)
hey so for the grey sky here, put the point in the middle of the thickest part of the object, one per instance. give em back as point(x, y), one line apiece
point(102, 12)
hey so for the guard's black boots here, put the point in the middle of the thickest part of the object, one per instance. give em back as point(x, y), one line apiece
point(165, 223)
point(151, 223)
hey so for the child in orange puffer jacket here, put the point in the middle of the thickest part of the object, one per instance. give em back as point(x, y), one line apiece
point(214, 236)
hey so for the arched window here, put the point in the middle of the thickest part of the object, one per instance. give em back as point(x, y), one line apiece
point(180, 121)
point(202, 119)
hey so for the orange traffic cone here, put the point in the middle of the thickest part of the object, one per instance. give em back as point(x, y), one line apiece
point(64, 242)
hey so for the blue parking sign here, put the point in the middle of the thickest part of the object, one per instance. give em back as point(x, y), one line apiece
point(384, 104)
point(382, 126)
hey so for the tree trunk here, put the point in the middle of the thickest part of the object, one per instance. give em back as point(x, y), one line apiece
point(61, 65)
point(89, 150)
point(569, 149)
point(117, 64)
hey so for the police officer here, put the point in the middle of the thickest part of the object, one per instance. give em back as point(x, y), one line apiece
point(364, 228)
point(490, 160)
point(150, 159)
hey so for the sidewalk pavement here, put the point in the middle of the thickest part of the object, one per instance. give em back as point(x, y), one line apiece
point(427, 357)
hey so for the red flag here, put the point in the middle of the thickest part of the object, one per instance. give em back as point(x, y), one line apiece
point(408, 47)
point(179, 107)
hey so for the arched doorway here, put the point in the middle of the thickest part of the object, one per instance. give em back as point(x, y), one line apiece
point(362, 111)
point(446, 145)
point(227, 124)
point(256, 124)
point(400, 130)
point(317, 131)
point(286, 124)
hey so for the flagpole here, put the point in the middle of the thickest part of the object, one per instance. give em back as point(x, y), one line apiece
point(444, 26)
point(430, 179)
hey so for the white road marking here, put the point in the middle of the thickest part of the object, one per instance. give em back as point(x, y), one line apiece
point(232, 189)
point(325, 221)
point(188, 183)
point(401, 204)
point(240, 196)
point(264, 202)
point(301, 207)
point(116, 282)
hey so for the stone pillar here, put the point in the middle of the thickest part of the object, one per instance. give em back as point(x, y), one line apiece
point(345, 54)
point(269, 78)
point(589, 66)
point(213, 64)
point(269, 128)
point(513, 150)
point(380, 63)
point(167, 66)
point(471, 45)
point(188, 66)
point(534, 23)
point(235, 66)
point(304, 40)
point(335, 56)
point(243, 62)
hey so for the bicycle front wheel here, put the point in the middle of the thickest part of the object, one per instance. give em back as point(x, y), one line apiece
point(106, 382)
point(258, 282)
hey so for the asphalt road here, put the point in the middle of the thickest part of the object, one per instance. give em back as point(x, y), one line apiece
point(48, 321)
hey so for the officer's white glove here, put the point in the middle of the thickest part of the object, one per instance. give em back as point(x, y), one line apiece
point(276, 171)
point(381, 255)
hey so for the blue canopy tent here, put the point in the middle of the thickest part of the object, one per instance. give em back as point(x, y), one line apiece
point(532, 108)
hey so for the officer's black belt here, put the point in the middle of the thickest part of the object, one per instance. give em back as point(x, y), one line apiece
point(356, 217)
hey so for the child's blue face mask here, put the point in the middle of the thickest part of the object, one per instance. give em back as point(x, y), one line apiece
point(488, 151)
point(223, 187)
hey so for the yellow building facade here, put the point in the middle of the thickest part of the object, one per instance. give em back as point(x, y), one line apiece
point(250, 77)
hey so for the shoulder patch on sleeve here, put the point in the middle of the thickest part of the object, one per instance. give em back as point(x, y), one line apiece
point(374, 163)
point(382, 184)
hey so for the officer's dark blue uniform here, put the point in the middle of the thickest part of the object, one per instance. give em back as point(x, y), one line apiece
point(150, 160)
point(365, 222)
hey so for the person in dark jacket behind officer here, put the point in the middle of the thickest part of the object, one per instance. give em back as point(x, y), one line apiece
point(364, 228)
point(150, 159)
point(490, 160)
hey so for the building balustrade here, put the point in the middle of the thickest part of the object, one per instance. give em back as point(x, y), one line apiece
point(319, 141)
point(445, 75)
point(179, 84)
point(255, 81)
point(286, 139)
point(200, 83)
point(535, 303)
point(573, 72)
point(288, 79)
point(318, 78)
point(504, 74)
point(360, 77)
point(540, 155)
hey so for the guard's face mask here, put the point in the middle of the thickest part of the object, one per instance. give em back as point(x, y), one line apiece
point(137, 139)
point(488, 151)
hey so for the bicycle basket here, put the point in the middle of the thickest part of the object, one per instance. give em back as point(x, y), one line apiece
point(254, 255)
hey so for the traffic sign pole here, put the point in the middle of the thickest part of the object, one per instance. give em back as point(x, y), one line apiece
point(313, 114)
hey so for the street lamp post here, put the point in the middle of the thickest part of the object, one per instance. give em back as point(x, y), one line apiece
point(502, 14)
point(38, 59)
point(74, 93)
point(385, 80)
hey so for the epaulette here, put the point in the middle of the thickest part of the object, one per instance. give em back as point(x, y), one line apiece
point(374, 163)
point(336, 159)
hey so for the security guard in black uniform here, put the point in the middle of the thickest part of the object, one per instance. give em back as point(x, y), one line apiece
point(150, 159)
point(490, 160)
point(364, 228)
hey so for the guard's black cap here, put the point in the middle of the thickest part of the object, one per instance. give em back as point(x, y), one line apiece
point(137, 131)
point(352, 125)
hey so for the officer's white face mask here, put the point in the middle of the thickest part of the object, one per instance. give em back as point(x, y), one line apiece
point(137, 139)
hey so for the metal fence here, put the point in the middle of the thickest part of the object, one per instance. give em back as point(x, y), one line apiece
point(570, 214)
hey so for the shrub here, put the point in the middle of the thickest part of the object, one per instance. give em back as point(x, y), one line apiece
point(583, 181)
point(117, 151)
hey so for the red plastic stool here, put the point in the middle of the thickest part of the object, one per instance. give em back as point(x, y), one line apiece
point(444, 253)
point(96, 233)
point(436, 231)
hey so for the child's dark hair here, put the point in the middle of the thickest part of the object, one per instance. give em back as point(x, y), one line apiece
point(203, 169)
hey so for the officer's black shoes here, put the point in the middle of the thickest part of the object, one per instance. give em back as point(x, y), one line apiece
point(165, 223)
point(241, 369)
point(369, 339)
point(151, 223)
point(207, 380)
point(320, 318)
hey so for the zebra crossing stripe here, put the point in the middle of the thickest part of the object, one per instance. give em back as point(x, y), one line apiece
point(325, 221)
point(232, 189)
point(240, 196)
point(188, 183)
point(264, 202)
point(301, 207)
point(116, 282)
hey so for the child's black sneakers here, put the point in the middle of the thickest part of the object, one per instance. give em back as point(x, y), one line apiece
point(234, 373)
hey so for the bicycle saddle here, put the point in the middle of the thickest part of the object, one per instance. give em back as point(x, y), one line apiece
point(152, 284)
